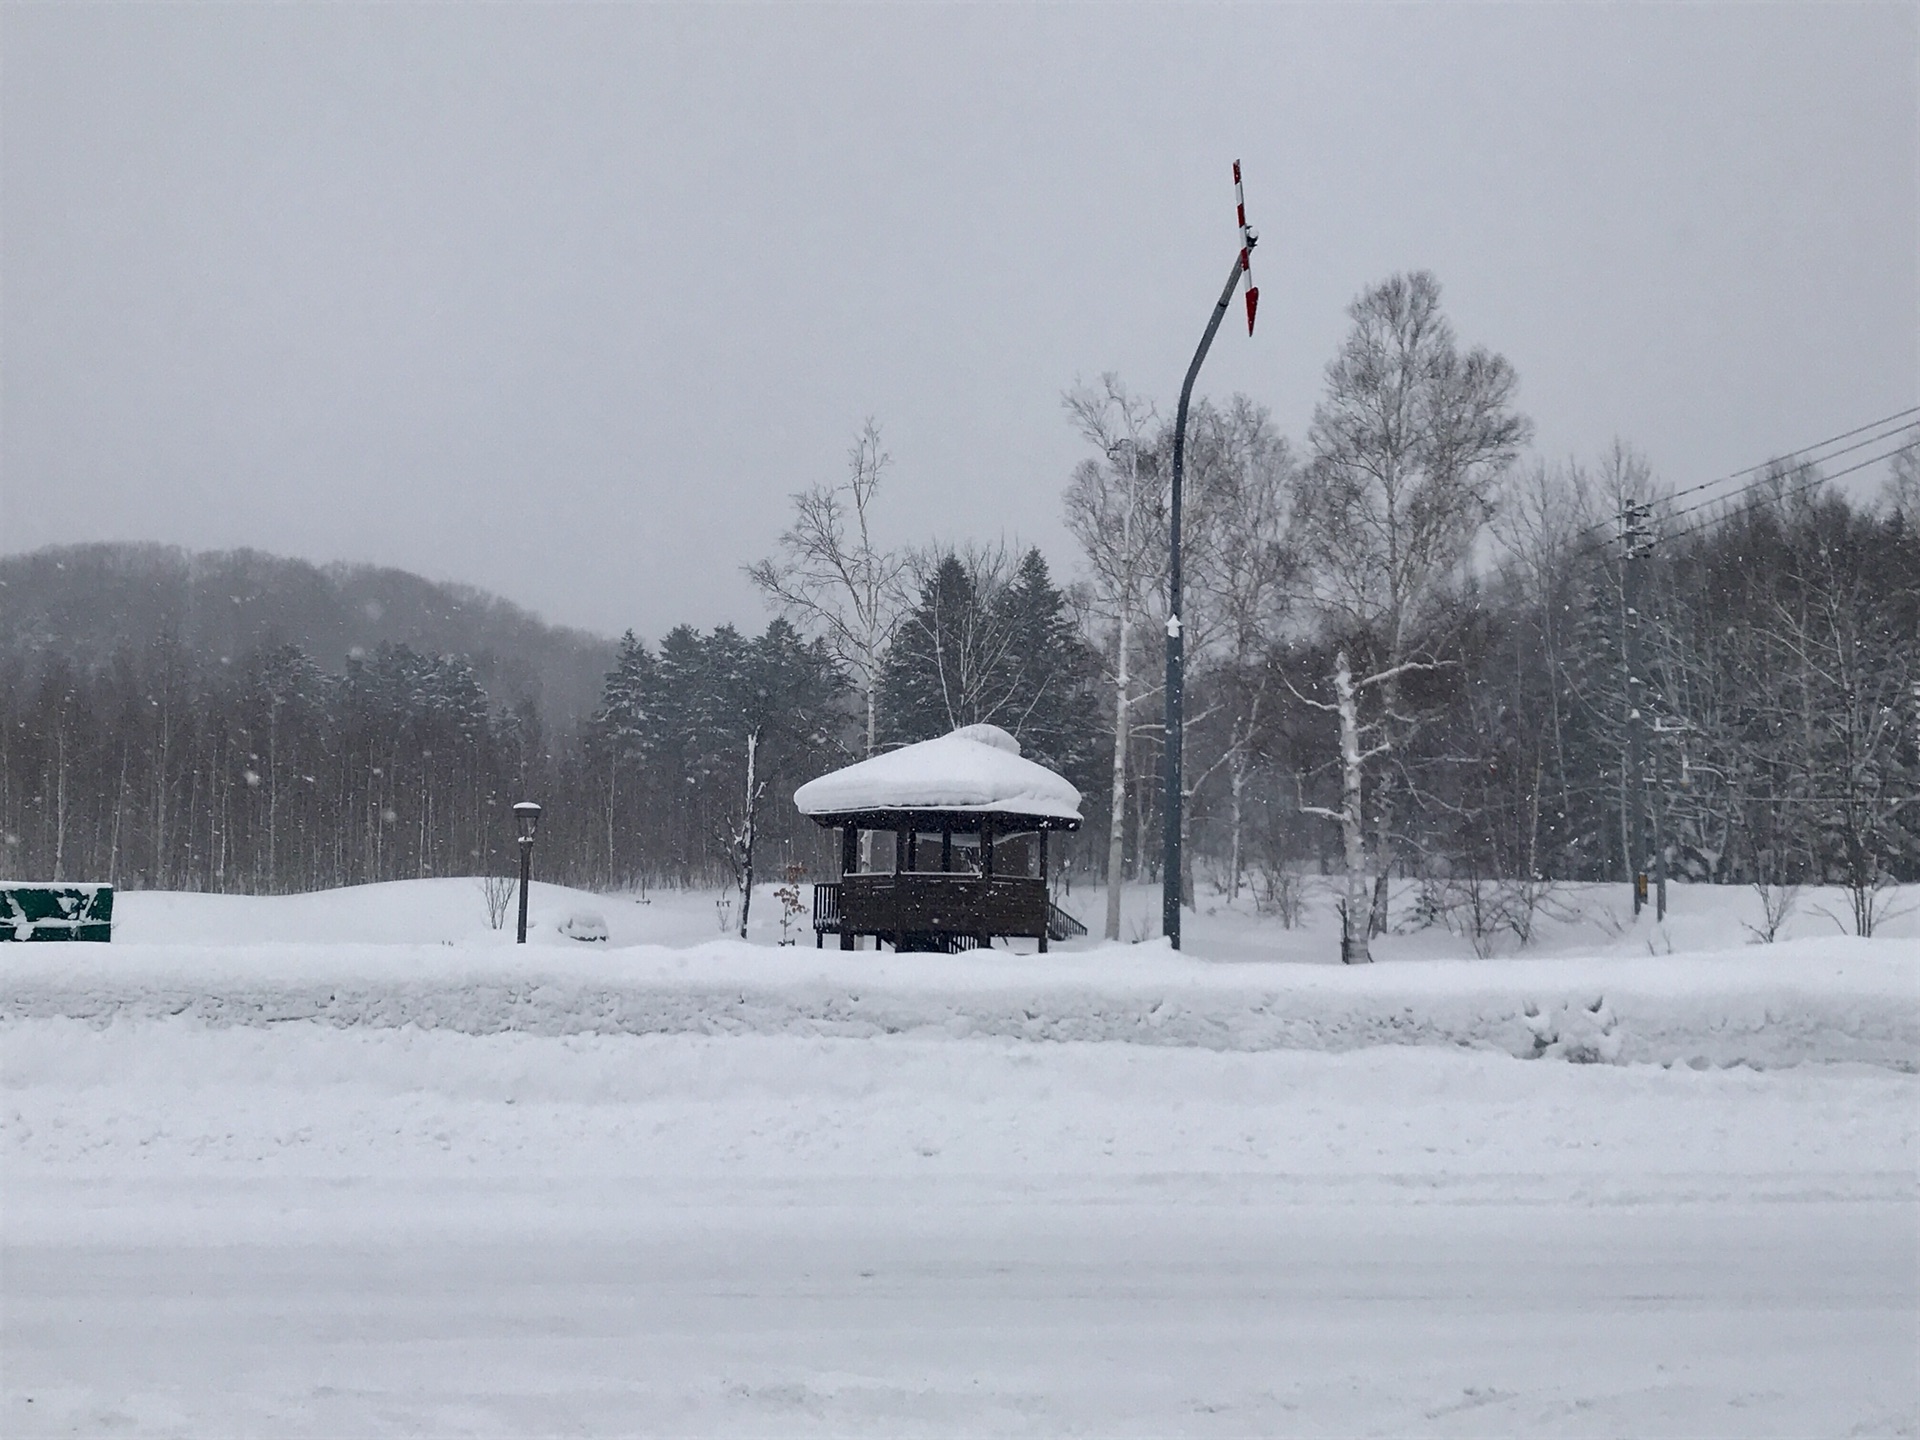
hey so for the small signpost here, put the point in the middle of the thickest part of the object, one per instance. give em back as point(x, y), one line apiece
point(35, 911)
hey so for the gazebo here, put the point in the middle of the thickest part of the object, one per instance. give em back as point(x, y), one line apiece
point(955, 844)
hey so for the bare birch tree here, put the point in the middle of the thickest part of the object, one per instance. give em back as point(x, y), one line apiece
point(1245, 472)
point(1408, 447)
point(1350, 816)
point(833, 581)
point(1116, 509)
point(745, 830)
point(1540, 528)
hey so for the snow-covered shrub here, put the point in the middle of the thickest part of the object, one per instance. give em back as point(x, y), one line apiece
point(1429, 904)
point(1485, 910)
point(1466, 904)
point(497, 891)
point(584, 925)
point(1777, 903)
point(1868, 890)
point(1279, 892)
point(1581, 1034)
point(1524, 902)
point(792, 906)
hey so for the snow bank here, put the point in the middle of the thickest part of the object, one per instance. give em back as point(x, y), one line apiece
point(1818, 1000)
point(153, 1101)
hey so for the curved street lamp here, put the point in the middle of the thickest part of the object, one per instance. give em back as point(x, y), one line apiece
point(526, 817)
point(1242, 270)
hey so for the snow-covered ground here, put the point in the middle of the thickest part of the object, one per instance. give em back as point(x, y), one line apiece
point(354, 1164)
point(1571, 919)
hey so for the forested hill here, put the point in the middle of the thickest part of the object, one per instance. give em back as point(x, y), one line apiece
point(87, 601)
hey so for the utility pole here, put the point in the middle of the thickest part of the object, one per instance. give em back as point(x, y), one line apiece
point(1663, 730)
point(1176, 642)
point(1660, 733)
point(1636, 534)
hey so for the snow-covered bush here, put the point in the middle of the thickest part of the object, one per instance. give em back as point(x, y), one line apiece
point(497, 891)
point(1777, 904)
point(1279, 892)
point(1580, 1033)
point(584, 925)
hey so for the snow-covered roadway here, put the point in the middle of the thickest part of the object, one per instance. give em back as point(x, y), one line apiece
point(898, 1312)
point(301, 1229)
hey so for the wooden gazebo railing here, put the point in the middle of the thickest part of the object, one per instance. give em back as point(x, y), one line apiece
point(934, 904)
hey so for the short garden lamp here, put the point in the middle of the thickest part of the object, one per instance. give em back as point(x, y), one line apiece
point(526, 816)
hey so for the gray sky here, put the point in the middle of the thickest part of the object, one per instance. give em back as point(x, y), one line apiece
point(565, 301)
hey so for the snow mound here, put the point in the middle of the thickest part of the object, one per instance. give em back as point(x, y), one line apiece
point(989, 735)
point(1805, 1001)
point(977, 769)
point(584, 925)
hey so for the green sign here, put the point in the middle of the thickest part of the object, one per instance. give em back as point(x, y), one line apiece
point(55, 912)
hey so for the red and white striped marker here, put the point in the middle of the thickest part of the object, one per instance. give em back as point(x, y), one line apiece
point(1248, 239)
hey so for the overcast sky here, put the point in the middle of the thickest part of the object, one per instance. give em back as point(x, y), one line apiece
point(565, 301)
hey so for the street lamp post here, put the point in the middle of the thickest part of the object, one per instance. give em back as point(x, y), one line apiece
point(526, 816)
point(1176, 643)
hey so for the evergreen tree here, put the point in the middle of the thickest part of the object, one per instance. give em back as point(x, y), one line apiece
point(618, 740)
point(951, 663)
point(1051, 699)
point(985, 646)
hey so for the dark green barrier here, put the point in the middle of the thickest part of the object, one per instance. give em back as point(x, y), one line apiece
point(55, 912)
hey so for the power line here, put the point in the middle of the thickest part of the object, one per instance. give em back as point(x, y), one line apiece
point(1898, 415)
point(1883, 436)
point(1899, 420)
point(1799, 489)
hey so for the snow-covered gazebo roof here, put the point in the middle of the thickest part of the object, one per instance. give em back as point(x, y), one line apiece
point(976, 770)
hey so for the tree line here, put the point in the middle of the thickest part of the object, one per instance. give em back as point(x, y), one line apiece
point(1414, 650)
point(164, 767)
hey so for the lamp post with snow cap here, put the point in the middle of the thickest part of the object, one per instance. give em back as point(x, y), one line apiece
point(526, 816)
point(1171, 870)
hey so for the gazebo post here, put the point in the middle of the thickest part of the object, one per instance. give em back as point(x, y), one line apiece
point(899, 844)
point(986, 864)
point(849, 863)
point(1045, 899)
point(946, 848)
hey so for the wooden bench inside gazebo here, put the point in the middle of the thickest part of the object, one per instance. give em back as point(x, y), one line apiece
point(944, 845)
